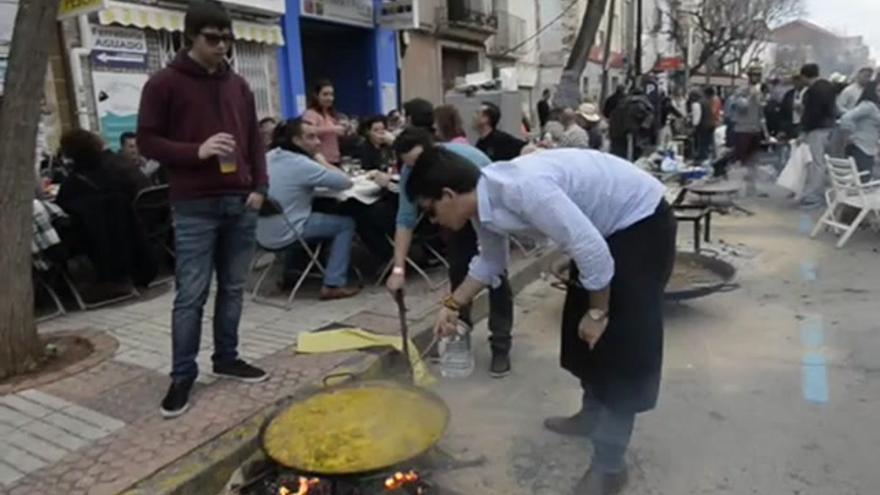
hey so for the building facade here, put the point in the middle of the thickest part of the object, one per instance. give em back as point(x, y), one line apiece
point(339, 41)
point(112, 50)
point(800, 42)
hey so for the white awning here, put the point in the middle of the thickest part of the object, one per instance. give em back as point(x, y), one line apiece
point(145, 17)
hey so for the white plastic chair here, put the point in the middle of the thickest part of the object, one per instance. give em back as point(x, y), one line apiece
point(847, 189)
point(271, 208)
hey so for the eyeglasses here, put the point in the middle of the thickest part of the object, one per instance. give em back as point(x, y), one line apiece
point(215, 39)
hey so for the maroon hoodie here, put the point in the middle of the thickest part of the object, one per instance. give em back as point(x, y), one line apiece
point(181, 107)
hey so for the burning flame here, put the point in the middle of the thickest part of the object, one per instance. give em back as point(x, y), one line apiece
point(305, 484)
point(400, 480)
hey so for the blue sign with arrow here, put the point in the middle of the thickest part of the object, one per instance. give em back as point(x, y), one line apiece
point(119, 60)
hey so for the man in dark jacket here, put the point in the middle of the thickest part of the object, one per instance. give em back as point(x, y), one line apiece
point(198, 118)
point(544, 108)
point(613, 100)
point(820, 112)
point(497, 145)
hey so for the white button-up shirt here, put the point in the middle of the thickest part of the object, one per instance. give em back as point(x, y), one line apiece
point(577, 198)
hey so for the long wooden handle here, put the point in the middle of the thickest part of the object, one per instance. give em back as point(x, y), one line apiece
point(404, 329)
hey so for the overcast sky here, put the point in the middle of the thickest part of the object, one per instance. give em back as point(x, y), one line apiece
point(853, 17)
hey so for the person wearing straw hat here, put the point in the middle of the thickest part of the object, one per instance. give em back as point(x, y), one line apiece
point(589, 118)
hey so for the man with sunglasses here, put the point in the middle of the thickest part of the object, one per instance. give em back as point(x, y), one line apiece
point(198, 118)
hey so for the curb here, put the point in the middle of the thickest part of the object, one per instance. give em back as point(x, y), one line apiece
point(207, 469)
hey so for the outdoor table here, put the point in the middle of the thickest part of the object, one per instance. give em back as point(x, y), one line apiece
point(717, 195)
point(364, 190)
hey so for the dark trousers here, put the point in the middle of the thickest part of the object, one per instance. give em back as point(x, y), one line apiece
point(611, 432)
point(212, 234)
point(703, 137)
point(864, 161)
point(462, 249)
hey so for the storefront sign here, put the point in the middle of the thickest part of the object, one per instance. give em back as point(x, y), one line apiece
point(355, 12)
point(399, 15)
point(266, 6)
point(119, 60)
point(73, 8)
point(119, 39)
point(117, 96)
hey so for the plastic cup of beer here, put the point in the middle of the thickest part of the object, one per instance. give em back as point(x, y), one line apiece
point(228, 164)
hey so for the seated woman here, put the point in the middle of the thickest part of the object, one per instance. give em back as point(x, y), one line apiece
point(448, 126)
point(293, 176)
point(375, 150)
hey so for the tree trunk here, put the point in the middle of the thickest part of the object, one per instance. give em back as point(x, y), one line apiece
point(20, 348)
point(607, 55)
point(569, 94)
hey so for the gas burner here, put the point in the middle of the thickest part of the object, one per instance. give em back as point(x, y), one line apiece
point(275, 480)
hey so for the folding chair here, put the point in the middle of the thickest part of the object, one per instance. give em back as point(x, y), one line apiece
point(847, 189)
point(59, 307)
point(423, 241)
point(152, 210)
point(272, 208)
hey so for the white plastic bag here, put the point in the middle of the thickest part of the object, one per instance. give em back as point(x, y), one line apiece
point(794, 176)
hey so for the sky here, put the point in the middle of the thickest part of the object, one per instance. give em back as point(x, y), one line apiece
point(851, 17)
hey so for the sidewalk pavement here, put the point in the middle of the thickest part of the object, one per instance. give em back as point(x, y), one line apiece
point(99, 431)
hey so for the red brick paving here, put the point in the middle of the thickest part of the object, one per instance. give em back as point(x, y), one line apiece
point(146, 445)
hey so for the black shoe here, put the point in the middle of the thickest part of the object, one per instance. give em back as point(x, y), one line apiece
point(240, 370)
point(500, 366)
point(578, 425)
point(596, 483)
point(176, 401)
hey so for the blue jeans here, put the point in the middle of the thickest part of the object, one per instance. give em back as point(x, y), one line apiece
point(210, 234)
point(340, 231)
point(611, 434)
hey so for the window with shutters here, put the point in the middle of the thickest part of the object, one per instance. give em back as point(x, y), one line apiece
point(255, 62)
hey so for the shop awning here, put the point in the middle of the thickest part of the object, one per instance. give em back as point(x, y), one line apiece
point(145, 17)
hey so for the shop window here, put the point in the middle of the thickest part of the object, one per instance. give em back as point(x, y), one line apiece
point(253, 62)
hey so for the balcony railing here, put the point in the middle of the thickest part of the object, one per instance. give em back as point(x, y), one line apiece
point(471, 19)
point(510, 35)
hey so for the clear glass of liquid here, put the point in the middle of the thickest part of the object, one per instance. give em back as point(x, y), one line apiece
point(228, 164)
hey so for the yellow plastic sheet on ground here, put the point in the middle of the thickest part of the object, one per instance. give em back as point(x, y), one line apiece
point(354, 339)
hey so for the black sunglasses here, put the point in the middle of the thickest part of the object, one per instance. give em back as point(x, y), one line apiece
point(215, 39)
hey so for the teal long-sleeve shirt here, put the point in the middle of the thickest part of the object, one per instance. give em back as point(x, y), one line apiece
point(408, 211)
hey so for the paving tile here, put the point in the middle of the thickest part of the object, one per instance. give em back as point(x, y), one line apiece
point(9, 474)
point(75, 426)
point(22, 460)
point(44, 399)
point(12, 417)
point(25, 406)
point(36, 446)
point(55, 435)
point(132, 400)
point(104, 422)
point(96, 381)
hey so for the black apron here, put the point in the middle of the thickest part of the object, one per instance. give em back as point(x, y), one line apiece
point(624, 368)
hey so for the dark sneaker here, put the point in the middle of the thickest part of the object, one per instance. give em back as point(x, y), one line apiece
point(596, 483)
point(176, 401)
point(500, 366)
point(240, 370)
point(578, 425)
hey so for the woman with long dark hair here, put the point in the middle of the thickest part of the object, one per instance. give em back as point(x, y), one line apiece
point(322, 115)
point(448, 125)
point(863, 124)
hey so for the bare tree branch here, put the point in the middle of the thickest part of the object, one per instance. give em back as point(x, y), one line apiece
point(725, 31)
